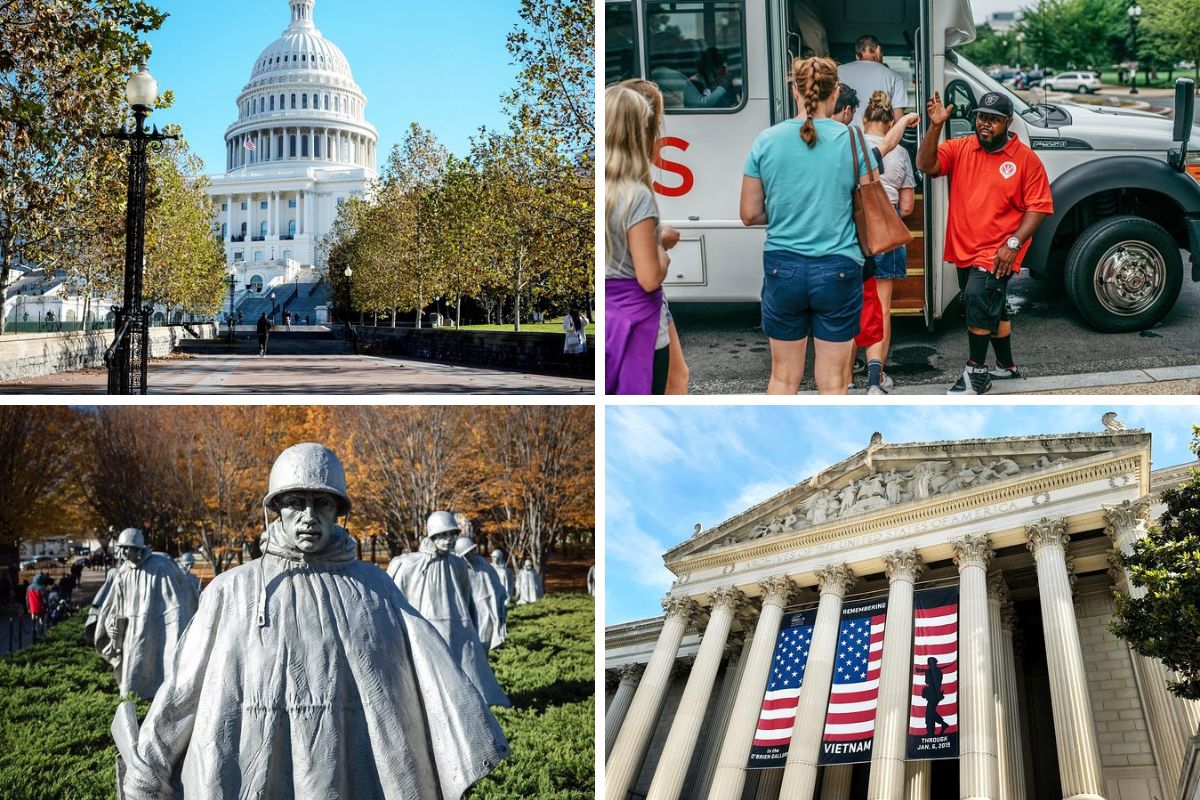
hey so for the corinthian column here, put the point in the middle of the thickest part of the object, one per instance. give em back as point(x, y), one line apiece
point(730, 777)
point(835, 785)
point(736, 654)
point(979, 770)
point(630, 747)
point(918, 780)
point(1074, 731)
point(1004, 684)
point(800, 774)
point(1172, 720)
point(614, 715)
point(685, 728)
point(895, 679)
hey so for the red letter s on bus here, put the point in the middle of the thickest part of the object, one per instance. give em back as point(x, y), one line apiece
point(688, 180)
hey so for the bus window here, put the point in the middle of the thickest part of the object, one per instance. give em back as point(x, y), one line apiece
point(620, 48)
point(962, 123)
point(695, 53)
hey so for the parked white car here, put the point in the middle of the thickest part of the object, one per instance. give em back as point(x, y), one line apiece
point(1078, 82)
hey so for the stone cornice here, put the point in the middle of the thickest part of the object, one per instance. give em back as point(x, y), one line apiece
point(914, 512)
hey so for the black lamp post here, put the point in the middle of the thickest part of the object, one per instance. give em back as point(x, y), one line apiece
point(349, 292)
point(232, 281)
point(1020, 38)
point(126, 358)
point(1134, 12)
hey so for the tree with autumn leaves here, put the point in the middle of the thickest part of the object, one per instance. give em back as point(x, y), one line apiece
point(511, 223)
point(195, 476)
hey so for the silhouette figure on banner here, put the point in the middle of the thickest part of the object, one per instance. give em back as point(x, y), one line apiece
point(933, 695)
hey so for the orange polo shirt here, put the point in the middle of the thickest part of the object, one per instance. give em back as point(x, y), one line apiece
point(989, 195)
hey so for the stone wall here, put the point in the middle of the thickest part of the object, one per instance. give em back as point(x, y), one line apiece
point(528, 352)
point(1127, 756)
point(30, 355)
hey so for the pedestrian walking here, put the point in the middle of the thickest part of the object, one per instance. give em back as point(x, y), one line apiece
point(636, 340)
point(899, 183)
point(803, 171)
point(998, 198)
point(264, 330)
point(575, 330)
point(287, 321)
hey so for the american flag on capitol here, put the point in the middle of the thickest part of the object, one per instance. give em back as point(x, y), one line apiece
point(933, 713)
point(774, 730)
point(249, 144)
point(854, 693)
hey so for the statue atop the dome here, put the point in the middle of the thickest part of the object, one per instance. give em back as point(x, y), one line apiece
point(306, 673)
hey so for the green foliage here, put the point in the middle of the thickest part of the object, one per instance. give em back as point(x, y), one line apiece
point(547, 667)
point(1165, 622)
point(990, 47)
point(1075, 34)
point(57, 700)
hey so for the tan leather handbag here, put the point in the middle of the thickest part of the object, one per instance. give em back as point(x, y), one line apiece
point(880, 228)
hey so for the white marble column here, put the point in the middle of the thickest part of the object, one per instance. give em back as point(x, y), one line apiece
point(228, 217)
point(919, 780)
point(251, 222)
point(978, 766)
point(895, 679)
point(1172, 720)
point(310, 210)
point(1004, 688)
point(730, 776)
point(768, 784)
point(680, 746)
point(800, 774)
point(835, 783)
point(1074, 730)
point(614, 715)
point(630, 748)
point(714, 737)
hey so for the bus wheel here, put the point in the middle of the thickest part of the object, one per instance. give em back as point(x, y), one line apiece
point(1124, 274)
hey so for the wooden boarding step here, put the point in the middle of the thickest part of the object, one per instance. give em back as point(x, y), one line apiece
point(908, 295)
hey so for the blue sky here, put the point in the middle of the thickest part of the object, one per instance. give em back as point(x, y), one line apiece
point(669, 467)
point(441, 64)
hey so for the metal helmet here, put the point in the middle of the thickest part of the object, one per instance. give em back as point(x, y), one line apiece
point(187, 560)
point(497, 554)
point(441, 522)
point(308, 468)
point(464, 545)
point(131, 537)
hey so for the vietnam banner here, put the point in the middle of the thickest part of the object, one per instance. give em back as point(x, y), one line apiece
point(774, 730)
point(854, 692)
point(933, 713)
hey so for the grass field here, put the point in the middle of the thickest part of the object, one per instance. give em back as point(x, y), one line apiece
point(527, 327)
point(57, 700)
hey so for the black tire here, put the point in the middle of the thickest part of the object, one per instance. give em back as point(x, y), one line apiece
point(1143, 274)
point(1081, 89)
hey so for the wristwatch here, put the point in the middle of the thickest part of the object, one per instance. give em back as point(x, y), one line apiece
point(1013, 243)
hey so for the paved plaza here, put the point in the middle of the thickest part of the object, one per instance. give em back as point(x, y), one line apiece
point(309, 373)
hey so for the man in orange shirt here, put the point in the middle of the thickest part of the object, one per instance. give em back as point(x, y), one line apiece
point(998, 196)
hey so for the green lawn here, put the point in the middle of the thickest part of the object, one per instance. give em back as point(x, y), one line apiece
point(526, 327)
point(1109, 79)
point(57, 700)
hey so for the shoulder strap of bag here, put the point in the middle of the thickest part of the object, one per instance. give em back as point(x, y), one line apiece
point(853, 158)
point(856, 131)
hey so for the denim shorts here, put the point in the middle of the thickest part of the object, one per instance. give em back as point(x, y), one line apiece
point(821, 296)
point(892, 265)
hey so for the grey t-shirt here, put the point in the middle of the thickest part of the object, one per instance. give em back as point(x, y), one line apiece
point(868, 77)
point(618, 263)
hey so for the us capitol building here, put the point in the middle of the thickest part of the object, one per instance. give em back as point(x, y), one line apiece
point(300, 147)
point(1046, 702)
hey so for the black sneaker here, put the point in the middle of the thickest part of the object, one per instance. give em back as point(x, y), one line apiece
point(1005, 373)
point(974, 380)
point(860, 366)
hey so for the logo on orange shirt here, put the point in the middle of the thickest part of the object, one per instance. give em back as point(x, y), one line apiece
point(1008, 169)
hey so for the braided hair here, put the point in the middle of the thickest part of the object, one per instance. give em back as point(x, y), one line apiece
point(815, 80)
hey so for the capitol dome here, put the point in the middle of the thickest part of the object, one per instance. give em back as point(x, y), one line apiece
point(300, 105)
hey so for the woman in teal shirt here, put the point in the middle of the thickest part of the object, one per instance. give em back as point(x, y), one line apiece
point(797, 182)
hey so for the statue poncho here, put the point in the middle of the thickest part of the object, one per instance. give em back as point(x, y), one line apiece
point(506, 580)
point(488, 593)
point(310, 676)
point(529, 586)
point(439, 585)
point(139, 622)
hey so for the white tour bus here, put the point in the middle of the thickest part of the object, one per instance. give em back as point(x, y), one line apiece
point(1125, 203)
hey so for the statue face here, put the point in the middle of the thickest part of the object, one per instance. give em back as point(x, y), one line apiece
point(131, 554)
point(308, 519)
point(443, 541)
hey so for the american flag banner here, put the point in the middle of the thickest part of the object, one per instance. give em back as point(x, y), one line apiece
point(933, 714)
point(854, 693)
point(249, 144)
point(774, 730)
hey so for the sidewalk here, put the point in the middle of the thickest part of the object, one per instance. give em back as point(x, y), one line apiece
point(1159, 380)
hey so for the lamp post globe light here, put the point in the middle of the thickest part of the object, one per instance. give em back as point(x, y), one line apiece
point(1020, 38)
point(232, 280)
point(348, 273)
point(126, 357)
point(1134, 11)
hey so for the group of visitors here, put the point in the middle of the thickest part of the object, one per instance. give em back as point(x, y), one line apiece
point(797, 182)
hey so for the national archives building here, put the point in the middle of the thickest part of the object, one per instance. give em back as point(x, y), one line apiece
point(1027, 691)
